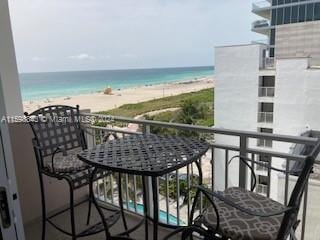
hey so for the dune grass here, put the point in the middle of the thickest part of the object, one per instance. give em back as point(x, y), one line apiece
point(132, 110)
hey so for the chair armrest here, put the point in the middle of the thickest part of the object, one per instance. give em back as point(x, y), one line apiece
point(208, 193)
point(245, 161)
point(263, 164)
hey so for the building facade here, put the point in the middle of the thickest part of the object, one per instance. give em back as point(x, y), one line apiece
point(273, 86)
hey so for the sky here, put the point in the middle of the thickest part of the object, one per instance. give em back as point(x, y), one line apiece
point(71, 35)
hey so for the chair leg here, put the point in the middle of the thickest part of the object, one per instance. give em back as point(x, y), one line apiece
point(44, 210)
point(90, 204)
point(73, 226)
point(121, 204)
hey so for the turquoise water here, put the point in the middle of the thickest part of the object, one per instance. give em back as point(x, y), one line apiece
point(35, 86)
point(162, 214)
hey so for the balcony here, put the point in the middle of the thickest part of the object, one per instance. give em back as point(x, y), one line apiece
point(264, 143)
point(262, 27)
point(262, 189)
point(265, 117)
point(266, 91)
point(268, 63)
point(261, 4)
point(262, 9)
point(175, 206)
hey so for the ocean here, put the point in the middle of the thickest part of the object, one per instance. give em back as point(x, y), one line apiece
point(37, 86)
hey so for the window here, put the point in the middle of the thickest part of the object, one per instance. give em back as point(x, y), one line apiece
point(272, 38)
point(310, 8)
point(280, 2)
point(317, 11)
point(287, 15)
point(280, 14)
point(294, 14)
point(266, 107)
point(302, 13)
point(272, 52)
point(287, 1)
point(274, 17)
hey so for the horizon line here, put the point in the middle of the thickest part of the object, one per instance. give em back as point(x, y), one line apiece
point(116, 69)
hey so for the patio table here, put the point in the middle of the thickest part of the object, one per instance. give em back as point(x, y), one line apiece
point(147, 156)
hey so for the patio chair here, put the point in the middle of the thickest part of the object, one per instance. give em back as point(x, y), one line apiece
point(58, 137)
point(240, 214)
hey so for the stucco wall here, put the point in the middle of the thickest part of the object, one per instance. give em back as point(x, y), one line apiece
point(297, 100)
point(236, 99)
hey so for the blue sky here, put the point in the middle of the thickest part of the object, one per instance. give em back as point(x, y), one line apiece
point(65, 35)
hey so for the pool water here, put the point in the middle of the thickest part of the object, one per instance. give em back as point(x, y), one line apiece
point(173, 220)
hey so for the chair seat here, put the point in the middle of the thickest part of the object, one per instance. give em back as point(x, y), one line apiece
point(68, 163)
point(82, 178)
point(238, 225)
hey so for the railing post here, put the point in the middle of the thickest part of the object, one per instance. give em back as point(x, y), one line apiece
point(242, 166)
point(148, 180)
point(304, 213)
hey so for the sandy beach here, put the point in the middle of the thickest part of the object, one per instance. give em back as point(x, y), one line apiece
point(100, 101)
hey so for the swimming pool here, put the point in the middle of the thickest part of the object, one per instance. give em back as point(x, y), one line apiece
point(162, 214)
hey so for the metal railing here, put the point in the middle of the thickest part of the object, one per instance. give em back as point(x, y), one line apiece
point(264, 143)
point(260, 24)
point(265, 117)
point(266, 91)
point(268, 63)
point(262, 189)
point(175, 204)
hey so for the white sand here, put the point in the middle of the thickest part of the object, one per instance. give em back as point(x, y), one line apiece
point(99, 101)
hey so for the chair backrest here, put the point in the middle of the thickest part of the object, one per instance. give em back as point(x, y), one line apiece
point(290, 217)
point(57, 127)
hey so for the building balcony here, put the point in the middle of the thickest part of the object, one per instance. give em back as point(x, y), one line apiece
point(262, 189)
point(264, 143)
point(262, 27)
point(266, 91)
point(262, 9)
point(268, 63)
point(174, 205)
point(265, 117)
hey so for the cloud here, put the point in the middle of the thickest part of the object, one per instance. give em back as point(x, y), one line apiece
point(82, 56)
point(38, 59)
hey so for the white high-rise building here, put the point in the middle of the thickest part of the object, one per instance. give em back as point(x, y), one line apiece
point(271, 86)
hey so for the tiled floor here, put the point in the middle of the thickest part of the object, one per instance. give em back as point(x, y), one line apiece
point(33, 230)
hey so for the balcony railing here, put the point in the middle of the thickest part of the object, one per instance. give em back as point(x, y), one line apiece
point(174, 202)
point(265, 117)
point(264, 143)
point(268, 63)
point(266, 91)
point(260, 24)
point(262, 189)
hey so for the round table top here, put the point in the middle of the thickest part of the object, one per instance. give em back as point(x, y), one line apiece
point(145, 155)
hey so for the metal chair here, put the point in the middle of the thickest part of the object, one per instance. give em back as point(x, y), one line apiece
point(239, 214)
point(58, 138)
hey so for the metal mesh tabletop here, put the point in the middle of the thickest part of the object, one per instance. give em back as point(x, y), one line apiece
point(146, 155)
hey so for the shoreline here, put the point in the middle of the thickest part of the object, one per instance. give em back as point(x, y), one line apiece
point(99, 101)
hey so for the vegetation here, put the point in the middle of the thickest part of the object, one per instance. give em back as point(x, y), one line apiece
point(132, 110)
point(191, 112)
point(184, 191)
